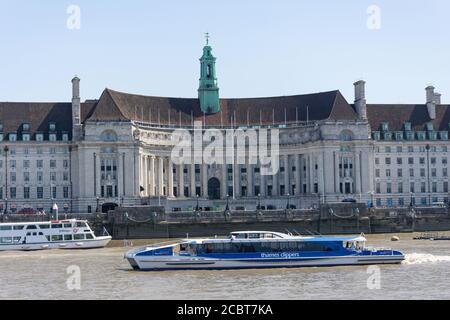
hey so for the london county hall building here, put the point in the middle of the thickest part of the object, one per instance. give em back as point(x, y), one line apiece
point(116, 151)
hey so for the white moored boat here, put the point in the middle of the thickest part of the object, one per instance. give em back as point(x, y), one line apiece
point(60, 234)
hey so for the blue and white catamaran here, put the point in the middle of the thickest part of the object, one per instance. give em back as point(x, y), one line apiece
point(260, 249)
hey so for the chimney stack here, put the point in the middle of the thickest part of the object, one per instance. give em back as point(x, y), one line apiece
point(76, 109)
point(360, 99)
point(431, 102)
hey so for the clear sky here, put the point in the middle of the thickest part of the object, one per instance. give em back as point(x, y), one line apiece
point(263, 48)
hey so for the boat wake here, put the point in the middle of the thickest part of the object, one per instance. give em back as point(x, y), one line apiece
point(420, 258)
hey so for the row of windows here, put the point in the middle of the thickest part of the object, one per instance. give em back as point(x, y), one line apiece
point(39, 164)
point(411, 161)
point(38, 150)
point(39, 176)
point(266, 246)
point(39, 137)
point(411, 149)
point(412, 173)
point(39, 192)
point(402, 202)
point(412, 187)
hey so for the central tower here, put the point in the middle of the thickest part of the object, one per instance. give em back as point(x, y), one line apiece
point(208, 91)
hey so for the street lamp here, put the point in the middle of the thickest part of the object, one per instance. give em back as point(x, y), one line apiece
point(259, 202)
point(288, 205)
point(371, 193)
point(98, 200)
point(197, 208)
point(227, 207)
point(412, 198)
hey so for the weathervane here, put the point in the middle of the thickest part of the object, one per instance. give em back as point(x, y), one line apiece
point(207, 38)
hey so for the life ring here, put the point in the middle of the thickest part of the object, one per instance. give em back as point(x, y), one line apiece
point(75, 230)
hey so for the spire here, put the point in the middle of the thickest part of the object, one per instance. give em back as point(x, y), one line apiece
point(208, 91)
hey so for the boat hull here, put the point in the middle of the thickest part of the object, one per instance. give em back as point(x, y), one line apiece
point(99, 242)
point(158, 264)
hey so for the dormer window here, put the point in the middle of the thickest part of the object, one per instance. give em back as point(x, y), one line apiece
point(376, 135)
point(385, 126)
point(399, 135)
point(52, 137)
point(443, 135)
point(26, 137)
point(409, 135)
point(39, 137)
point(429, 126)
point(407, 126)
point(26, 127)
point(52, 126)
point(65, 137)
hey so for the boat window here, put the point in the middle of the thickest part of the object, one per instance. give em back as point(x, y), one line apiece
point(89, 236)
point(6, 240)
point(28, 233)
point(57, 237)
point(67, 237)
point(67, 225)
point(78, 236)
point(16, 239)
point(34, 233)
point(31, 227)
point(268, 235)
point(81, 225)
point(18, 227)
point(44, 226)
point(57, 226)
point(41, 234)
point(5, 228)
point(253, 236)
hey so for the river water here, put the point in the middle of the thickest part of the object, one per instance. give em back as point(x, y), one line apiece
point(104, 274)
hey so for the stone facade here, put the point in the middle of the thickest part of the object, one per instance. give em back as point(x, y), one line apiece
point(117, 151)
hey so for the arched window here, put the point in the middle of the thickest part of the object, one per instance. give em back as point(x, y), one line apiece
point(108, 136)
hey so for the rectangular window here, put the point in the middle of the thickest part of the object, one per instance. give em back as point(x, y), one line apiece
point(26, 164)
point(433, 172)
point(52, 176)
point(39, 164)
point(52, 164)
point(399, 160)
point(387, 161)
point(410, 160)
point(388, 173)
point(400, 187)
point(411, 172)
point(12, 192)
point(40, 192)
point(13, 177)
point(26, 176)
point(399, 173)
point(66, 192)
point(39, 176)
point(422, 172)
point(423, 188)
point(444, 172)
point(26, 192)
point(65, 164)
point(388, 187)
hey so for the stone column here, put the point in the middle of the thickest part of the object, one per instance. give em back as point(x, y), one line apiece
point(204, 180)
point(237, 180)
point(249, 179)
point(192, 182)
point(336, 173)
point(169, 170)
point(287, 186)
point(146, 193)
point(321, 173)
point(311, 173)
point(160, 176)
point(298, 172)
point(152, 176)
point(275, 186)
point(99, 176)
point(262, 183)
point(224, 187)
point(181, 181)
point(357, 173)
